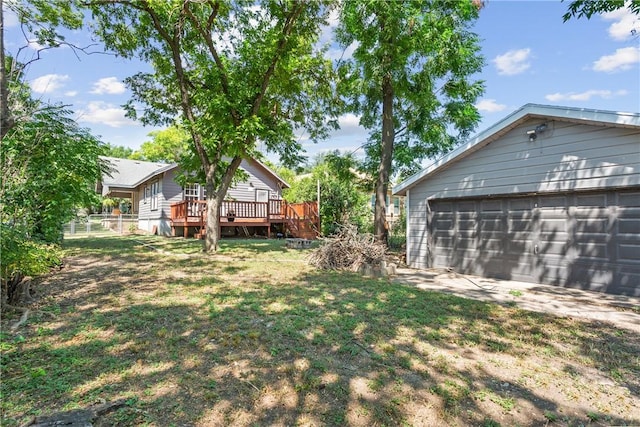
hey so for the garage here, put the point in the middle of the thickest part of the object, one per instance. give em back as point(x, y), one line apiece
point(547, 195)
point(585, 240)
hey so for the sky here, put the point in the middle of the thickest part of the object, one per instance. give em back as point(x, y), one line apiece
point(531, 56)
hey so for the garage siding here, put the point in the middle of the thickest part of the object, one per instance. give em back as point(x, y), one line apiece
point(585, 240)
point(566, 157)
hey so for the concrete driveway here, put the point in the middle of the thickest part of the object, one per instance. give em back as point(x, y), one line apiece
point(622, 311)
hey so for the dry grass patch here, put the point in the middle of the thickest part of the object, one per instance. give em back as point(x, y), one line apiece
point(255, 336)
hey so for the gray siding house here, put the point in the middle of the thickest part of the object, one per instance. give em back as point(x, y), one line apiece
point(152, 189)
point(547, 195)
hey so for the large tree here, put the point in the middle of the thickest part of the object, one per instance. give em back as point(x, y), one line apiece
point(235, 72)
point(49, 165)
point(411, 80)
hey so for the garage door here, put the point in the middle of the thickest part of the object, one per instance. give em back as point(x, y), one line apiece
point(580, 240)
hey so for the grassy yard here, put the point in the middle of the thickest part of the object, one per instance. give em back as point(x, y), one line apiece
point(254, 336)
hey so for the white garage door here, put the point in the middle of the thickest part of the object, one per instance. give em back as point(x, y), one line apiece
point(580, 240)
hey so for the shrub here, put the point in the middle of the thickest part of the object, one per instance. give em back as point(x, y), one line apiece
point(20, 257)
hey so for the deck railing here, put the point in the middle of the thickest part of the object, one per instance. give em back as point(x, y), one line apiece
point(194, 210)
point(190, 209)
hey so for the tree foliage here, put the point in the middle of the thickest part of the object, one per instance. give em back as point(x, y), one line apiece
point(342, 199)
point(588, 8)
point(411, 81)
point(41, 20)
point(117, 151)
point(169, 145)
point(50, 167)
point(235, 72)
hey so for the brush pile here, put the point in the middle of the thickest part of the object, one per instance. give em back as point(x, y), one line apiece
point(348, 250)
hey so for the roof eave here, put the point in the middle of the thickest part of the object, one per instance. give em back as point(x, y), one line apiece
point(602, 117)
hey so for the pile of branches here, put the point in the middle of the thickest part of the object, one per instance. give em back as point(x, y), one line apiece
point(348, 250)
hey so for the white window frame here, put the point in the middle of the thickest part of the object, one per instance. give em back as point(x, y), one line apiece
point(191, 191)
point(155, 189)
point(264, 193)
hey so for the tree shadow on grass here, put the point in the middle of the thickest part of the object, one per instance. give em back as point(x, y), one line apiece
point(324, 348)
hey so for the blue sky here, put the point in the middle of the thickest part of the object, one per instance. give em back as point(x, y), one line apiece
point(531, 57)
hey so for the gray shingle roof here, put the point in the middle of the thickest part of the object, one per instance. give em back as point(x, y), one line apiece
point(126, 173)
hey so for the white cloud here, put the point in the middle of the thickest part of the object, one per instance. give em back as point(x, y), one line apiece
point(335, 52)
point(349, 125)
point(48, 83)
point(71, 93)
point(622, 59)
point(490, 106)
point(624, 23)
point(108, 85)
point(105, 114)
point(327, 32)
point(513, 62)
point(33, 44)
point(584, 96)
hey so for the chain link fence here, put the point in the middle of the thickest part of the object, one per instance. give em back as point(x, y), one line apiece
point(101, 225)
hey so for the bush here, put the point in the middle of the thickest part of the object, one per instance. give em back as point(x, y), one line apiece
point(398, 232)
point(22, 257)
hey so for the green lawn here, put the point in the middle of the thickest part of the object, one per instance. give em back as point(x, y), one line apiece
point(255, 336)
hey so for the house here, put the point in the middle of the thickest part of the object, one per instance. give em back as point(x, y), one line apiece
point(394, 204)
point(547, 195)
point(163, 206)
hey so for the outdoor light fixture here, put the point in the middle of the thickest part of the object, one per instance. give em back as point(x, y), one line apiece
point(533, 133)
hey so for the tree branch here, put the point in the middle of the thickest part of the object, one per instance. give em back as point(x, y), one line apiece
point(206, 35)
point(401, 130)
point(286, 31)
point(173, 41)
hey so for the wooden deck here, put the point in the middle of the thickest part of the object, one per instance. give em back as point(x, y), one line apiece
point(290, 219)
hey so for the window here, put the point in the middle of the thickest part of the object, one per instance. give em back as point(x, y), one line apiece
point(155, 189)
point(262, 196)
point(192, 192)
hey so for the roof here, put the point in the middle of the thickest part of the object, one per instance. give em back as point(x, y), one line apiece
point(285, 184)
point(127, 173)
point(526, 112)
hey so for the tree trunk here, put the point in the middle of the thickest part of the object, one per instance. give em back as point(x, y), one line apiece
point(16, 291)
point(213, 220)
point(215, 196)
point(386, 155)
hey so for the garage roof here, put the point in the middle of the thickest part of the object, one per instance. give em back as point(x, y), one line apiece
point(570, 114)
